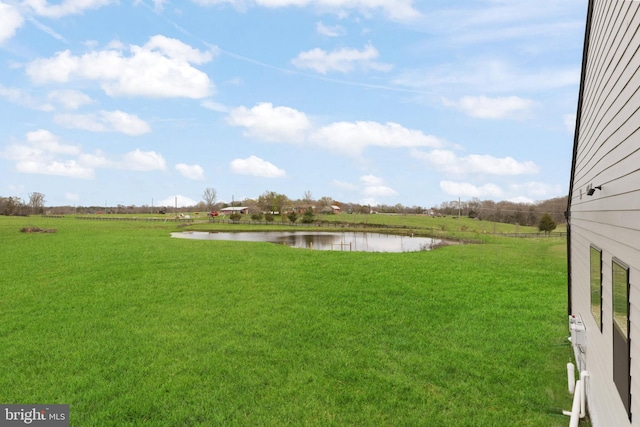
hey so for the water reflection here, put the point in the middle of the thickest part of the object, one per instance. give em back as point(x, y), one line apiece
point(346, 241)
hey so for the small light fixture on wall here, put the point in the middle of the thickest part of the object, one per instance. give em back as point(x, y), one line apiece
point(592, 190)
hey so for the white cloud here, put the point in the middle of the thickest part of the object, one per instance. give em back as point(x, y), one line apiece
point(68, 168)
point(526, 192)
point(371, 180)
point(11, 20)
point(137, 160)
point(70, 99)
point(401, 10)
point(66, 7)
point(374, 188)
point(465, 189)
point(351, 138)
point(483, 16)
point(194, 172)
point(143, 161)
point(342, 60)
point(345, 185)
point(215, 106)
point(19, 97)
point(158, 5)
point(538, 190)
point(270, 123)
point(160, 68)
point(72, 197)
point(521, 200)
point(333, 31)
point(570, 123)
point(487, 75)
point(175, 49)
point(379, 191)
point(44, 154)
point(449, 162)
point(105, 121)
point(177, 200)
point(48, 142)
point(97, 160)
point(256, 166)
point(493, 108)
point(284, 124)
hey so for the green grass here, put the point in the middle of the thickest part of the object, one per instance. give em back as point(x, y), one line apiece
point(131, 327)
point(453, 227)
point(450, 223)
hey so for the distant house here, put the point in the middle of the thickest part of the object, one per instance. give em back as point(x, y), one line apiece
point(303, 209)
point(603, 216)
point(335, 209)
point(236, 209)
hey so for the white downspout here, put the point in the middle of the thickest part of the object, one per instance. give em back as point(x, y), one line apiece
point(575, 408)
point(578, 409)
point(583, 393)
point(571, 377)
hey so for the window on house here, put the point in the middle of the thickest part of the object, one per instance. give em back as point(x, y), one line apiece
point(621, 341)
point(596, 285)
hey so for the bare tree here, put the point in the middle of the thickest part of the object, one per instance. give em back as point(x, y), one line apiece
point(209, 196)
point(36, 202)
point(325, 201)
point(308, 197)
point(12, 206)
point(270, 201)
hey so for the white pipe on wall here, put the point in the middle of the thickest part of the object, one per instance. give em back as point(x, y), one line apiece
point(575, 409)
point(571, 377)
point(583, 394)
point(579, 407)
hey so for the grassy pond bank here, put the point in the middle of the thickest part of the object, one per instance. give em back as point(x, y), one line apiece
point(131, 327)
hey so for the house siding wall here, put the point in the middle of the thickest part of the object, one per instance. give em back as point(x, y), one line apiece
point(608, 155)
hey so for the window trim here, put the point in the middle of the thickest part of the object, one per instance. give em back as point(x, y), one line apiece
point(622, 339)
point(598, 318)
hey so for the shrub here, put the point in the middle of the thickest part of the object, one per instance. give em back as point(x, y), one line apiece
point(235, 217)
point(257, 216)
point(547, 224)
point(308, 216)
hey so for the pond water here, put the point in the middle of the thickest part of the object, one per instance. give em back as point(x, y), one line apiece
point(324, 241)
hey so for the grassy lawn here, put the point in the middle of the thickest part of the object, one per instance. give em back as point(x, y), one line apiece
point(131, 327)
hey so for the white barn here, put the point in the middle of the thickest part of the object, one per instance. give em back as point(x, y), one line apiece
point(603, 215)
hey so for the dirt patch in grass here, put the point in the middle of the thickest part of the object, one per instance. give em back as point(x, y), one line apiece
point(37, 230)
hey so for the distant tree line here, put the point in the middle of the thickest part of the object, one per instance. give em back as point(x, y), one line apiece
point(507, 212)
point(17, 206)
point(272, 203)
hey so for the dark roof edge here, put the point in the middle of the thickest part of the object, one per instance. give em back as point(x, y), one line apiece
point(583, 72)
point(576, 137)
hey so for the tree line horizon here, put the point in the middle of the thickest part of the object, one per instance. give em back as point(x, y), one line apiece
point(502, 211)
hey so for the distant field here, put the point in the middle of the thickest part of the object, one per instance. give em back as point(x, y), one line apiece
point(459, 227)
point(131, 327)
point(451, 224)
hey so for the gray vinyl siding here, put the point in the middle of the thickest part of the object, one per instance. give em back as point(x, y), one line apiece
point(607, 154)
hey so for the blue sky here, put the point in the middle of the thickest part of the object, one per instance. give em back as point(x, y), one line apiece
point(369, 101)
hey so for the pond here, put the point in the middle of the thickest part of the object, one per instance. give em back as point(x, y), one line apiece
point(324, 241)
